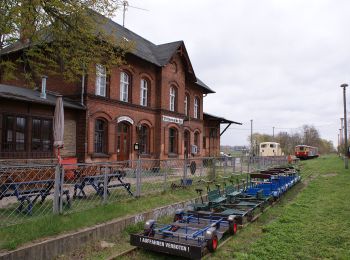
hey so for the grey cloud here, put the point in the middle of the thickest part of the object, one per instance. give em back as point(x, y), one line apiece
point(277, 62)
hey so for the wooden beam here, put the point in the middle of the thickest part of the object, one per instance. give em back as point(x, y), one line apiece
point(225, 129)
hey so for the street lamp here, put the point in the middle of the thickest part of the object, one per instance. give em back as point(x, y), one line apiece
point(345, 127)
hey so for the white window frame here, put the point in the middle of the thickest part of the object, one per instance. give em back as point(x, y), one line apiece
point(196, 107)
point(124, 86)
point(172, 98)
point(186, 105)
point(144, 92)
point(101, 80)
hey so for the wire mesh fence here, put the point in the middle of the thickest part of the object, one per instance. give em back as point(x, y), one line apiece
point(25, 191)
point(29, 191)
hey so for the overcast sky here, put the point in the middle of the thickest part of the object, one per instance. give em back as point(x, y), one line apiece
point(277, 62)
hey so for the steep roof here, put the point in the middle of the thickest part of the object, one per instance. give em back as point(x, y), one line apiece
point(203, 85)
point(158, 55)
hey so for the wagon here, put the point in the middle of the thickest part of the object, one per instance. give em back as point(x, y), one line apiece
point(190, 235)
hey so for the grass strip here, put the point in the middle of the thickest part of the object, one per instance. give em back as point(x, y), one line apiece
point(13, 236)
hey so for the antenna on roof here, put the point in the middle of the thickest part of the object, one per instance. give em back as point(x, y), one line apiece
point(125, 5)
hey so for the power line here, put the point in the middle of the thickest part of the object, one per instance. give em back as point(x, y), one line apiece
point(281, 128)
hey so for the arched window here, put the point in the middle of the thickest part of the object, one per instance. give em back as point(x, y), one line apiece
point(100, 136)
point(173, 137)
point(187, 104)
point(172, 99)
point(101, 80)
point(144, 92)
point(196, 108)
point(196, 140)
point(144, 139)
point(124, 86)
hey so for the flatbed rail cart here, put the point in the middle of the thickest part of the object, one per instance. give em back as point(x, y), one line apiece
point(191, 235)
point(221, 204)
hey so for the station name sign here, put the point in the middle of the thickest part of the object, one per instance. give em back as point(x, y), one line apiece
point(171, 119)
point(164, 244)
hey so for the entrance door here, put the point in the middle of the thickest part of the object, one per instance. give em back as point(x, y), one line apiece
point(187, 143)
point(123, 141)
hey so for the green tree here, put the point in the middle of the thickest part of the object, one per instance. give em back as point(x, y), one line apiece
point(65, 37)
point(309, 135)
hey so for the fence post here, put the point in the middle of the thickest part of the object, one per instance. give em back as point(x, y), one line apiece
point(233, 162)
point(61, 189)
point(105, 183)
point(138, 178)
point(214, 168)
point(185, 172)
point(56, 195)
point(225, 165)
point(248, 164)
point(165, 174)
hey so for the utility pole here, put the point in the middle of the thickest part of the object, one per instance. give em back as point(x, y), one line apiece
point(345, 127)
point(251, 136)
point(341, 131)
point(273, 133)
point(338, 147)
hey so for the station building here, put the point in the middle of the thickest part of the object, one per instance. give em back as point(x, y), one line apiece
point(154, 103)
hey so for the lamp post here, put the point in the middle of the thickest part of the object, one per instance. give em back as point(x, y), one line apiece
point(345, 127)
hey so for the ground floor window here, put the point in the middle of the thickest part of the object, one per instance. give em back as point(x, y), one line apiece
point(196, 140)
point(26, 136)
point(14, 133)
point(100, 136)
point(144, 139)
point(41, 135)
point(173, 137)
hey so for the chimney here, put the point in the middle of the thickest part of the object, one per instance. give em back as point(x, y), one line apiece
point(43, 87)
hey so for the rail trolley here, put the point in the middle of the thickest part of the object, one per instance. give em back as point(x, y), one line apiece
point(197, 230)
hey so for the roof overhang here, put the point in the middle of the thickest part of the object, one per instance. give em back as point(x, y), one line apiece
point(33, 96)
point(221, 120)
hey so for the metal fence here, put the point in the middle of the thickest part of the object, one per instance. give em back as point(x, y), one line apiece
point(35, 190)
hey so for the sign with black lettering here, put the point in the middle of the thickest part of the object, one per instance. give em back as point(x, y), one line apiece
point(171, 119)
point(165, 246)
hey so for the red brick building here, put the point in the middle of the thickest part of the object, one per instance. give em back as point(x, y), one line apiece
point(154, 102)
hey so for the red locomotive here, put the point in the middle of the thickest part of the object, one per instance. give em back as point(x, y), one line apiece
point(306, 152)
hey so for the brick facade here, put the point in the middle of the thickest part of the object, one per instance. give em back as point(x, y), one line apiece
point(110, 108)
point(85, 141)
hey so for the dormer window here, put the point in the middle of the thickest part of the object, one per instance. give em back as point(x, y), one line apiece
point(101, 80)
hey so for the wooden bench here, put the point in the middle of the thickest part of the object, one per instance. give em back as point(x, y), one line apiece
point(95, 178)
point(28, 192)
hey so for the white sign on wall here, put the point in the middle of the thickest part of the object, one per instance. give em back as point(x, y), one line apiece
point(125, 118)
point(171, 119)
